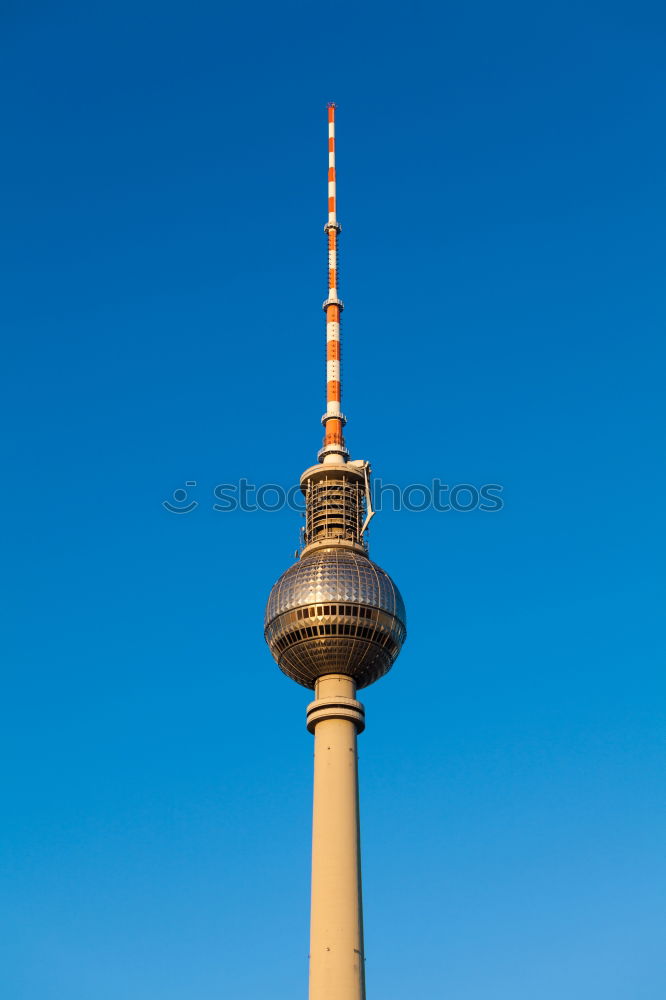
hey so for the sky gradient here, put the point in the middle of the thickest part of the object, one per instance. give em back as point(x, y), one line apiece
point(501, 191)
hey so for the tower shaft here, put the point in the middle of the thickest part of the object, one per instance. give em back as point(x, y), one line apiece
point(336, 924)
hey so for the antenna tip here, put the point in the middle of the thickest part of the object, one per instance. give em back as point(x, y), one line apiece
point(331, 104)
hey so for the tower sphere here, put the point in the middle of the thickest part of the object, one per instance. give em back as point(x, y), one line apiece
point(335, 612)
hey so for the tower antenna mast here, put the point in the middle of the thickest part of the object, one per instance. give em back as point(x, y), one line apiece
point(334, 449)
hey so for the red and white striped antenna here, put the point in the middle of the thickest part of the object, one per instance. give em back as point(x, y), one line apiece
point(334, 450)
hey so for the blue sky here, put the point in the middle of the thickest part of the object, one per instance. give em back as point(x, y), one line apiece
point(501, 189)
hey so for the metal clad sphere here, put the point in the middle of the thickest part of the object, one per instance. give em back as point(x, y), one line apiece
point(335, 611)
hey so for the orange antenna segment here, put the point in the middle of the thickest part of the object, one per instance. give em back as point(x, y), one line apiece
point(334, 445)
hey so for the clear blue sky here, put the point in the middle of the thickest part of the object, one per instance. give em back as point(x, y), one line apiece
point(163, 266)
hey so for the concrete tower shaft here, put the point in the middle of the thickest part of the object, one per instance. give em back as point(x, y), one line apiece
point(337, 959)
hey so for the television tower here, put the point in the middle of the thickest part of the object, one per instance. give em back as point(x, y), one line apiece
point(335, 622)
